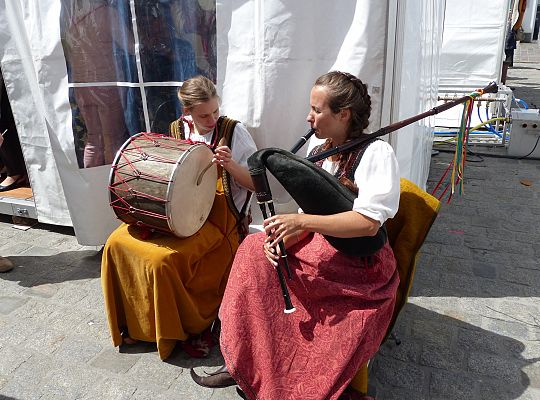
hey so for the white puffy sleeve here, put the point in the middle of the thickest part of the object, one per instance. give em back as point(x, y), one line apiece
point(377, 177)
point(242, 145)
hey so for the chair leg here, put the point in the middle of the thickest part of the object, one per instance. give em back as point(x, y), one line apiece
point(395, 338)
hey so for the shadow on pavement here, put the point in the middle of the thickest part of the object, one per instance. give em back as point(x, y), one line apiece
point(450, 359)
point(483, 244)
point(32, 270)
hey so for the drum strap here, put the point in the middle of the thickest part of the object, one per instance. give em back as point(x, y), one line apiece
point(176, 129)
point(225, 128)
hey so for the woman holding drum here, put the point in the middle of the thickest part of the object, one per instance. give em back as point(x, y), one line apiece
point(162, 288)
point(343, 303)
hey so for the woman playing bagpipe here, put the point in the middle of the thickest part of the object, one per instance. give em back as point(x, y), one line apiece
point(343, 302)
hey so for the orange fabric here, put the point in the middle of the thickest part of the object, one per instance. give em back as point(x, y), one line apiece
point(360, 380)
point(166, 288)
point(406, 234)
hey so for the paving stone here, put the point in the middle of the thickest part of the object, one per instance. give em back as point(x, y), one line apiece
point(457, 285)
point(149, 369)
point(11, 358)
point(21, 390)
point(45, 340)
point(112, 360)
point(433, 332)
point(490, 389)
point(442, 356)
point(35, 369)
point(94, 324)
point(489, 342)
point(399, 374)
point(389, 393)
point(522, 261)
point(73, 382)
point(504, 369)
point(452, 386)
point(77, 349)
point(112, 389)
point(484, 270)
point(46, 290)
point(533, 374)
point(408, 350)
point(8, 303)
point(498, 288)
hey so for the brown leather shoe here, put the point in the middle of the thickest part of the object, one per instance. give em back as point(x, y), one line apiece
point(5, 265)
point(217, 379)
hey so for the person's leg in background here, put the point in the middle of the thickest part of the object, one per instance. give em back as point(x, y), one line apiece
point(10, 151)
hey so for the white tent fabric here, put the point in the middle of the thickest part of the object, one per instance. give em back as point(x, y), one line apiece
point(27, 55)
point(269, 54)
point(35, 73)
point(416, 79)
point(473, 43)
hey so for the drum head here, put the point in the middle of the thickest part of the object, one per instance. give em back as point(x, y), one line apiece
point(189, 204)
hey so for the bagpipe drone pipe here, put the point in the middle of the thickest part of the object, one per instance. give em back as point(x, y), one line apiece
point(319, 192)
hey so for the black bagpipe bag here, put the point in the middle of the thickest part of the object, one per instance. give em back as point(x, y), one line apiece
point(316, 192)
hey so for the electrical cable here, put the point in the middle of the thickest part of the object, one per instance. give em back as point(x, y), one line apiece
point(519, 101)
point(490, 128)
point(475, 128)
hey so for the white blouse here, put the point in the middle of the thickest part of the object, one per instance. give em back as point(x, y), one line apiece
point(242, 146)
point(377, 178)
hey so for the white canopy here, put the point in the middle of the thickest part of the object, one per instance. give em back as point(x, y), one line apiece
point(268, 56)
point(473, 43)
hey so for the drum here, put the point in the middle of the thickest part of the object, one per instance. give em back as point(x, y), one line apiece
point(162, 183)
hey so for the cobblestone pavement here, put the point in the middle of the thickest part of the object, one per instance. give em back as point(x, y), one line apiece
point(471, 329)
point(524, 77)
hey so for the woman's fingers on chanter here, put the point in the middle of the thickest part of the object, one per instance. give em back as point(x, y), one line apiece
point(271, 254)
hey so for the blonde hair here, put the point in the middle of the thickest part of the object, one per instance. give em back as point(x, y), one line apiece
point(196, 90)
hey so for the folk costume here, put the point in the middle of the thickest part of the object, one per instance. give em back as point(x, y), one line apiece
point(343, 303)
point(163, 288)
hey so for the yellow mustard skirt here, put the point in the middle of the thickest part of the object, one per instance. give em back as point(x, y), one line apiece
point(165, 288)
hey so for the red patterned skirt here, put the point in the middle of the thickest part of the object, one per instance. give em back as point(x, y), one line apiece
point(343, 308)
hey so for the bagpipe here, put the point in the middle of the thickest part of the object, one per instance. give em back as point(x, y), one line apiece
point(318, 192)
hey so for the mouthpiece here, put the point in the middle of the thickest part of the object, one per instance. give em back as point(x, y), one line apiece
point(302, 140)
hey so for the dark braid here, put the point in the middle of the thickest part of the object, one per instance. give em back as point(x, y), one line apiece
point(347, 91)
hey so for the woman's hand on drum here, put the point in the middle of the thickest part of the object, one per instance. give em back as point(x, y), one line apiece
point(222, 156)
